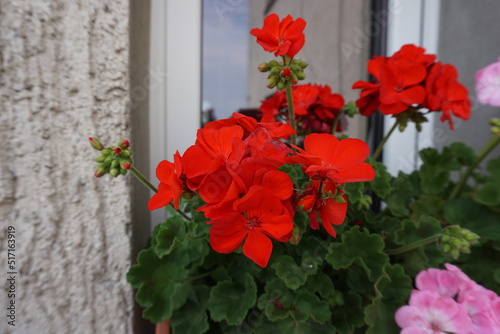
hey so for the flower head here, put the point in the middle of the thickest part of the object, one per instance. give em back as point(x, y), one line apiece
point(255, 218)
point(283, 37)
point(488, 84)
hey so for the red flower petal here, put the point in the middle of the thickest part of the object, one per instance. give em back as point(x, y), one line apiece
point(258, 248)
point(227, 233)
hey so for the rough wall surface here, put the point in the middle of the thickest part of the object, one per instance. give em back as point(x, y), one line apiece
point(64, 77)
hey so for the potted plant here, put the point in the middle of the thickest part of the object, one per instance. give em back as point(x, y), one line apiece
point(271, 226)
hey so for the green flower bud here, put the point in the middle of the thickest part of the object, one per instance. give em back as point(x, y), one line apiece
point(495, 121)
point(300, 75)
point(123, 171)
point(96, 144)
point(454, 253)
point(115, 164)
point(125, 163)
point(100, 159)
point(296, 68)
point(126, 154)
point(281, 85)
point(303, 64)
point(465, 250)
point(275, 70)
point(106, 151)
point(114, 172)
point(273, 63)
point(100, 171)
point(123, 144)
point(264, 67)
point(446, 238)
point(272, 82)
point(108, 161)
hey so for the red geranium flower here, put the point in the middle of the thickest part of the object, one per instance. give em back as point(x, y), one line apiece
point(400, 87)
point(213, 148)
point(319, 199)
point(282, 38)
point(255, 217)
point(445, 93)
point(340, 161)
point(171, 185)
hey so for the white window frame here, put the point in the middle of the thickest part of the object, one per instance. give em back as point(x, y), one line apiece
point(417, 22)
point(175, 97)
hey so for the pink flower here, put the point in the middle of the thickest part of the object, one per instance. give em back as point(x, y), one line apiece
point(430, 313)
point(446, 283)
point(488, 84)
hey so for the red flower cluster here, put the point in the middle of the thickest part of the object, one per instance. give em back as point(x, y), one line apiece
point(315, 108)
point(233, 166)
point(282, 38)
point(329, 163)
point(411, 78)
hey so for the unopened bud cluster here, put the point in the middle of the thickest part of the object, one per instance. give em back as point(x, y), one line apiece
point(456, 240)
point(281, 75)
point(495, 123)
point(113, 160)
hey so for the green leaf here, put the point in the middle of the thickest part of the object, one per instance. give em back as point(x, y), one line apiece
point(292, 274)
point(381, 184)
point(277, 301)
point(323, 285)
point(474, 217)
point(405, 189)
point(392, 291)
point(310, 305)
point(230, 301)
point(348, 316)
point(435, 170)
point(411, 231)
point(427, 205)
point(489, 194)
point(192, 317)
point(355, 192)
point(351, 109)
point(160, 283)
point(361, 248)
point(170, 235)
point(294, 171)
point(463, 154)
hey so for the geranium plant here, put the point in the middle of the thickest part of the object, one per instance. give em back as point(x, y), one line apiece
point(271, 227)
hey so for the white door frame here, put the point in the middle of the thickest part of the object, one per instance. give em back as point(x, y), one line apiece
point(175, 98)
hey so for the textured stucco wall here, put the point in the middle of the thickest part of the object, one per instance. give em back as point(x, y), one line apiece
point(64, 77)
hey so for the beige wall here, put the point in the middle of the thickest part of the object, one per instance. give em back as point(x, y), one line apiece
point(64, 76)
point(336, 48)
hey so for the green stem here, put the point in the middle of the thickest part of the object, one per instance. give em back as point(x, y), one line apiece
point(291, 113)
point(413, 245)
point(148, 184)
point(143, 179)
point(384, 140)
point(490, 146)
point(336, 121)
